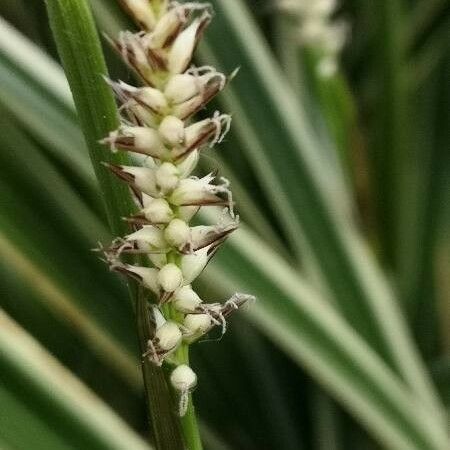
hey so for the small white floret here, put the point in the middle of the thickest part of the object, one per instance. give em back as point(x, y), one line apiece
point(167, 177)
point(143, 178)
point(208, 131)
point(197, 323)
point(191, 191)
point(142, 12)
point(153, 98)
point(183, 378)
point(187, 166)
point(167, 25)
point(187, 212)
point(186, 300)
point(177, 233)
point(193, 264)
point(172, 130)
point(146, 140)
point(148, 236)
point(170, 277)
point(180, 88)
point(168, 336)
point(147, 275)
point(158, 211)
point(182, 49)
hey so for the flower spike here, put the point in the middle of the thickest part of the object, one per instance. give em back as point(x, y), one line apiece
point(156, 123)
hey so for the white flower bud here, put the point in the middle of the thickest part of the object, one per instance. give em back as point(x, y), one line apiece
point(168, 336)
point(186, 300)
point(158, 211)
point(172, 131)
point(168, 24)
point(186, 167)
point(143, 178)
point(182, 49)
point(148, 236)
point(183, 378)
point(177, 233)
point(180, 88)
point(167, 177)
point(200, 132)
point(193, 264)
point(189, 192)
point(195, 191)
point(130, 96)
point(148, 276)
point(130, 45)
point(209, 82)
point(197, 323)
point(146, 199)
point(152, 98)
point(205, 132)
point(170, 277)
point(144, 115)
point(204, 235)
point(186, 213)
point(142, 12)
point(146, 140)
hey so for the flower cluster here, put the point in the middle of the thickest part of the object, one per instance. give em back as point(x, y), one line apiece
point(158, 130)
point(317, 29)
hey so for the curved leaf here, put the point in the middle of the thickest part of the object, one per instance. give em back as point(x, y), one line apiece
point(69, 410)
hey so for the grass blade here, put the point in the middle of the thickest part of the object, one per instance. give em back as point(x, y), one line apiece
point(428, 200)
point(62, 401)
point(389, 147)
point(60, 303)
point(34, 91)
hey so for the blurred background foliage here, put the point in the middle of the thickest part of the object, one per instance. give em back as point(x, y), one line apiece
point(343, 189)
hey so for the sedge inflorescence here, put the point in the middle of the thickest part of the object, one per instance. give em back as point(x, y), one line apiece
point(318, 29)
point(165, 142)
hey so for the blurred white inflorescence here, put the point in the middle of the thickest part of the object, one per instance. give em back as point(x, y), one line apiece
point(317, 29)
point(157, 124)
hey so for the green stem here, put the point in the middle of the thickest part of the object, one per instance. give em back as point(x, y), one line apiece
point(190, 428)
point(80, 51)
